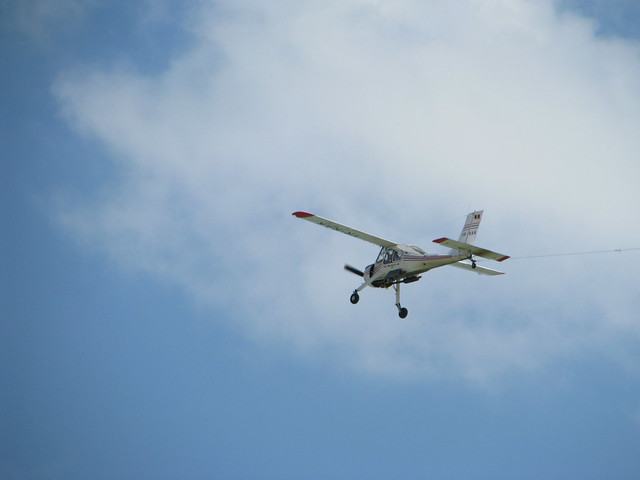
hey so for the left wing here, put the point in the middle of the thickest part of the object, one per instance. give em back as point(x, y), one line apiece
point(344, 229)
point(471, 249)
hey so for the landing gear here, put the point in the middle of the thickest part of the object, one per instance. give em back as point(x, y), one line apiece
point(402, 312)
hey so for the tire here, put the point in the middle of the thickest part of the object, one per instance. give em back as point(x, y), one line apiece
point(354, 298)
point(403, 313)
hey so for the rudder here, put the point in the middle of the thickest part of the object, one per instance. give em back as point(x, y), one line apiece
point(470, 229)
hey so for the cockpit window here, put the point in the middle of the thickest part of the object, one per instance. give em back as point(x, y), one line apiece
point(389, 255)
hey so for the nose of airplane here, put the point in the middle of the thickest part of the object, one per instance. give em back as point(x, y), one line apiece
point(368, 272)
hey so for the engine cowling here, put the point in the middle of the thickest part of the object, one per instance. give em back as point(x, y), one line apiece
point(368, 272)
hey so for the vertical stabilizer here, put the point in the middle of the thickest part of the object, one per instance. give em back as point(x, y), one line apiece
point(470, 229)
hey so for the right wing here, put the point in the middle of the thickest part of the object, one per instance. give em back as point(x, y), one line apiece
point(344, 229)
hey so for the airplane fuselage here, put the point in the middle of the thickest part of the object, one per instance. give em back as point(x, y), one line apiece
point(404, 264)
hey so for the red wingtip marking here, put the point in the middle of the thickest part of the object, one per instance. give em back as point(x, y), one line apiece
point(503, 258)
point(440, 240)
point(302, 214)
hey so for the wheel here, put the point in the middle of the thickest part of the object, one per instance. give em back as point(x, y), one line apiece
point(354, 297)
point(403, 312)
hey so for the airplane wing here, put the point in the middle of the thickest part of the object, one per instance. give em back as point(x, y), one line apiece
point(344, 229)
point(471, 249)
point(479, 270)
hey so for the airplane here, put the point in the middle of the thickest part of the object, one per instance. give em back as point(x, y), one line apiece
point(399, 263)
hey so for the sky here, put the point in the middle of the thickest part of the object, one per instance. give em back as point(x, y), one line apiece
point(163, 315)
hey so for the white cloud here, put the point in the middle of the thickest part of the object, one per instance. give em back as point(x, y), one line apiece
point(395, 117)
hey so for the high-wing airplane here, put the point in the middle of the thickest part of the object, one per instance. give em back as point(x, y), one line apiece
point(398, 263)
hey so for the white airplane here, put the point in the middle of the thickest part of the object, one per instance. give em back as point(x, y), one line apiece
point(397, 263)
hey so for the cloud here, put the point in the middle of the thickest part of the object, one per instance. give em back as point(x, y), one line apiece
point(396, 118)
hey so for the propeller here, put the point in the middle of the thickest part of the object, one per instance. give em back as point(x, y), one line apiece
point(354, 270)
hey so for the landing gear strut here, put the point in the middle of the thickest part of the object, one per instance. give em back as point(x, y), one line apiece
point(402, 312)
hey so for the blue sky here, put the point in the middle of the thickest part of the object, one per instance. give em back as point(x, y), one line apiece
point(164, 316)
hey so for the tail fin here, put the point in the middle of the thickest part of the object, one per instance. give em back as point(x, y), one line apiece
point(470, 229)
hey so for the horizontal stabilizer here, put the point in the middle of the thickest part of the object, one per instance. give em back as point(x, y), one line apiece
point(471, 249)
point(478, 269)
point(344, 229)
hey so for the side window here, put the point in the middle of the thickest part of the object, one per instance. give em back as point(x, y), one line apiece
point(389, 255)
